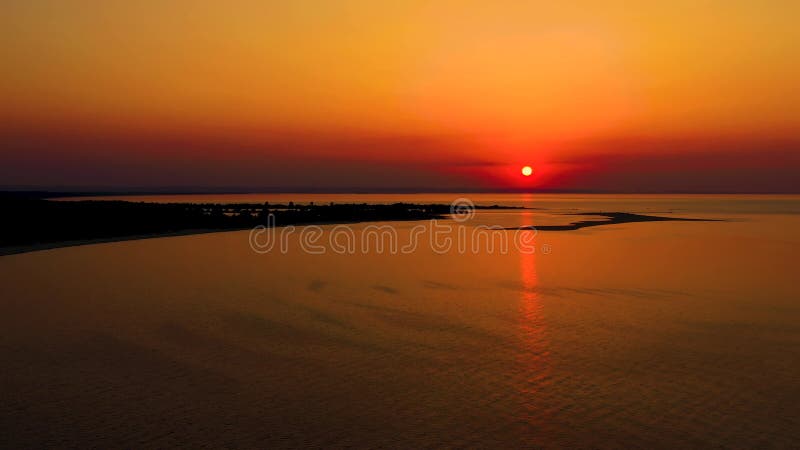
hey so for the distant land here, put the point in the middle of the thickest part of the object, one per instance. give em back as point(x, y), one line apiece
point(33, 222)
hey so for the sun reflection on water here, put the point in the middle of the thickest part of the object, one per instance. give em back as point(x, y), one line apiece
point(534, 348)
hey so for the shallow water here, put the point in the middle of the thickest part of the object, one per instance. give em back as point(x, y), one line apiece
point(667, 334)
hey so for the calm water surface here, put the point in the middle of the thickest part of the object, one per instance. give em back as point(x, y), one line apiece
point(648, 335)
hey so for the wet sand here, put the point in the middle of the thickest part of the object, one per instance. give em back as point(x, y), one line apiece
point(612, 218)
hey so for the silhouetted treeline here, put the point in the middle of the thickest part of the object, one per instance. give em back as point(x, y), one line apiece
point(29, 218)
point(29, 221)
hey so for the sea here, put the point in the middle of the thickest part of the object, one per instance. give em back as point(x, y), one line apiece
point(470, 331)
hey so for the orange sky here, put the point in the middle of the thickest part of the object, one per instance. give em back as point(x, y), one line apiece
point(595, 95)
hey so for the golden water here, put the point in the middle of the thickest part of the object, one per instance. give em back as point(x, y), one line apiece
point(670, 334)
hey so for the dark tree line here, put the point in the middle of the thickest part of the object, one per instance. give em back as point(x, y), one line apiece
point(27, 221)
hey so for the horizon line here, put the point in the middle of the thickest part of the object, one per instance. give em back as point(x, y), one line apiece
point(63, 191)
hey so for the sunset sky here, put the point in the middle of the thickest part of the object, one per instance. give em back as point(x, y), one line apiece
point(678, 96)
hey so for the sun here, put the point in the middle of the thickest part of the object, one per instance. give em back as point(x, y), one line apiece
point(527, 171)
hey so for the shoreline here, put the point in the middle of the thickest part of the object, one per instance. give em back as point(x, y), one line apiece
point(35, 224)
point(613, 218)
point(22, 249)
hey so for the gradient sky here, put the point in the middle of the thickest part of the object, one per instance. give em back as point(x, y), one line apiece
point(627, 96)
